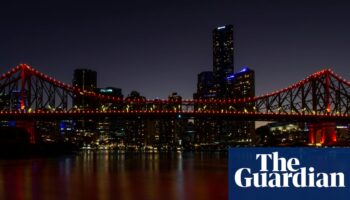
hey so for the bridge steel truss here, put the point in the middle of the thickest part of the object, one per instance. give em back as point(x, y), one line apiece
point(323, 95)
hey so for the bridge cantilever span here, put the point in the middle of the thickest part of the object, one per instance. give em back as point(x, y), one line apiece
point(323, 95)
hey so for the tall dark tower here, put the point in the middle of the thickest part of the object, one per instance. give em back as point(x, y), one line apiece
point(223, 50)
point(87, 80)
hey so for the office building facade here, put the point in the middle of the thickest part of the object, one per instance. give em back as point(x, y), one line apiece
point(223, 57)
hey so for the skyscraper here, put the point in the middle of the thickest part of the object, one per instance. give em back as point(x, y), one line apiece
point(87, 80)
point(223, 83)
point(241, 85)
point(223, 50)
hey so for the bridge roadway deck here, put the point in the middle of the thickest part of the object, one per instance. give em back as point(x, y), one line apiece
point(243, 116)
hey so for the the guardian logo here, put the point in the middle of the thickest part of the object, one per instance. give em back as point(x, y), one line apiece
point(280, 172)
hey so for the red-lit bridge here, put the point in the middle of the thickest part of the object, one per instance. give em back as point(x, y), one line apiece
point(321, 99)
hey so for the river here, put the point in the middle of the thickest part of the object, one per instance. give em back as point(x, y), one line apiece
point(108, 175)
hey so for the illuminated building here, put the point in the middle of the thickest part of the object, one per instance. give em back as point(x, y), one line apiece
point(135, 128)
point(223, 83)
point(223, 51)
point(296, 134)
point(165, 134)
point(283, 134)
point(175, 126)
point(213, 84)
point(111, 130)
point(86, 80)
point(110, 91)
point(67, 131)
point(47, 131)
point(240, 85)
point(343, 136)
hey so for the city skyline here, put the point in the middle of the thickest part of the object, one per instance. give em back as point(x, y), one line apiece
point(167, 99)
point(152, 46)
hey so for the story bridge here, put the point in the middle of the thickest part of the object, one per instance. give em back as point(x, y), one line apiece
point(321, 99)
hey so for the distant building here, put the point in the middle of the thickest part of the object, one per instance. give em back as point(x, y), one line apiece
point(223, 51)
point(240, 85)
point(296, 134)
point(175, 126)
point(84, 79)
point(223, 83)
point(205, 86)
point(165, 133)
point(283, 134)
point(111, 130)
point(174, 102)
point(135, 128)
point(213, 84)
point(111, 91)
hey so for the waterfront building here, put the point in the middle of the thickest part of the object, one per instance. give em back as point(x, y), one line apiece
point(135, 128)
point(111, 130)
point(165, 133)
point(283, 134)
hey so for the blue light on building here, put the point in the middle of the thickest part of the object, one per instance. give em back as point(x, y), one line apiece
point(62, 125)
point(244, 69)
point(232, 76)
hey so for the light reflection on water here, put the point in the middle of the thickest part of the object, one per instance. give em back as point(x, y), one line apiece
point(108, 175)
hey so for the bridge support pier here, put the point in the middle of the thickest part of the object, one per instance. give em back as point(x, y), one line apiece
point(322, 133)
point(29, 126)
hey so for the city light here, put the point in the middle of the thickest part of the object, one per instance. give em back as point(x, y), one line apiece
point(272, 106)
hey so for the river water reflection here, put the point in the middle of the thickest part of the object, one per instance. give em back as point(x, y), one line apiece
point(109, 175)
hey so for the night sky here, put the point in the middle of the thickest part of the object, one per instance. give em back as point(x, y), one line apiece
point(158, 48)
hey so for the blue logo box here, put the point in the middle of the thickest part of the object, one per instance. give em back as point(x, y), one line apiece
point(289, 173)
